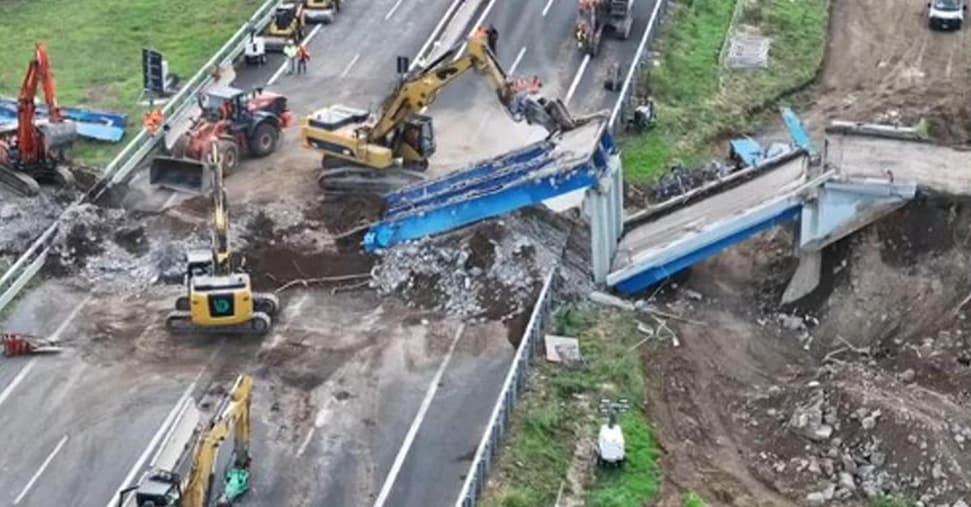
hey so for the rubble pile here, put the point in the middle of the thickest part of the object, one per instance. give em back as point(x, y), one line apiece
point(109, 251)
point(485, 274)
point(23, 219)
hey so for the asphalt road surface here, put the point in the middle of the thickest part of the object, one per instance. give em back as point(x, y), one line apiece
point(396, 422)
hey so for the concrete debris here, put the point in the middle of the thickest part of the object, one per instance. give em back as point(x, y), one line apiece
point(610, 300)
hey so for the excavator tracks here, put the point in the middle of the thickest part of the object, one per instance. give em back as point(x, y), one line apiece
point(181, 322)
point(362, 180)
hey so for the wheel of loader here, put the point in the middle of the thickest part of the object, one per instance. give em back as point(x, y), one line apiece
point(182, 303)
point(266, 303)
point(230, 155)
point(264, 139)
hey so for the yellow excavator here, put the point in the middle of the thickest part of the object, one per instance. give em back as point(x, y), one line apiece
point(167, 488)
point(385, 152)
point(218, 299)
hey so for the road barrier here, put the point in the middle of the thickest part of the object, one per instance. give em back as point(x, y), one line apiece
point(485, 453)
point(26, 267)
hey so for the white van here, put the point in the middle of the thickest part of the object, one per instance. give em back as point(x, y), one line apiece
point(946, 14)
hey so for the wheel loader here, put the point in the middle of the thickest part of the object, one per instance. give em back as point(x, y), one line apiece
point(219, 299)
point(238, 123)
point(321, 11)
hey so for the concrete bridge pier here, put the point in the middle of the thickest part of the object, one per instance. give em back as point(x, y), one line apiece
point(604, 205)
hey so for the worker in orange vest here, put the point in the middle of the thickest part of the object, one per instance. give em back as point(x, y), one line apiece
point(153, 120)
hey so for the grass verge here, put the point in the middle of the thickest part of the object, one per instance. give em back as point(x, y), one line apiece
point(559, 409)
point(95, 48)
point(698, 102)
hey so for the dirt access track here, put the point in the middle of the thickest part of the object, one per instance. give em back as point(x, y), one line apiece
point(883, 63)
point(862, 388)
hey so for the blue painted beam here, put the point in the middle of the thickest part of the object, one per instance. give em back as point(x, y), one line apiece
point(525, 192)
point(797, 131)
point(654, 273)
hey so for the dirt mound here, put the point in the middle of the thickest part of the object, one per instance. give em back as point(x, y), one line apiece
point(883, 63)
point(860, 391)
point(341, 214)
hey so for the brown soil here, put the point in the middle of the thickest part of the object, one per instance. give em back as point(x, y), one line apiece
point(272, 262)
point(340, 214)
point(882, 59)
point(882, 360)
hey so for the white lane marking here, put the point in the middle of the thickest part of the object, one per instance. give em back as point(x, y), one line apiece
point(349, 65)
point(306, 441)
point(162, 430)
point(416, 423)
point(43, 466)
point(306, 40)
point(74, 313)
point(519, 58)
point(391, 12)
point(435, 32)
point(576, 79)
point(17, 380)
point(547, 8)
point(170, 201)
point(475, 27)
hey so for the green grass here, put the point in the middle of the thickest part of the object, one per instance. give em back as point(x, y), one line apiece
point(560, 408)
point(692, 499)
point(95, 48)
point(696, 103)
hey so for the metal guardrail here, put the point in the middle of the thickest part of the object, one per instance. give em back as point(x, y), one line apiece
point(27, 265)
point(627, 100)
point(513, 386)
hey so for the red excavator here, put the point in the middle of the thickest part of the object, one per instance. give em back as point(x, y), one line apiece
point(34, 150)
point(237, 122)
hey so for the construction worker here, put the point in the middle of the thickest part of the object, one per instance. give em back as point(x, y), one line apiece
point(290, 51)
point(492, 36)
point(153, 119)
point(303, 56)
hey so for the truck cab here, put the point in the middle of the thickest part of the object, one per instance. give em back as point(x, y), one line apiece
point(946, 14)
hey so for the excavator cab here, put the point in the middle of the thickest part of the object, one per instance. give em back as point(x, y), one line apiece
point(416, 141)
point(161, 489)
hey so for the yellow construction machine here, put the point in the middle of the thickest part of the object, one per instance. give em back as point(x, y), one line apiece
point(167, 488)
point(286, 24)
point(321, 11)
point(218, 299)
point(384, 152)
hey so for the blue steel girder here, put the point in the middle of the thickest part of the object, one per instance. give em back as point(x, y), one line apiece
point(491, 188)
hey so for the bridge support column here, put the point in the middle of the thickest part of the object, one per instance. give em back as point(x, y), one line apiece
point(833, 211)
point(605, 209)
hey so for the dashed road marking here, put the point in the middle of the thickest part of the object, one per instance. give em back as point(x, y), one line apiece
point(43, 466)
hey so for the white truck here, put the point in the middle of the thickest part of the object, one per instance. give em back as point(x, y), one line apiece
point(946, 14)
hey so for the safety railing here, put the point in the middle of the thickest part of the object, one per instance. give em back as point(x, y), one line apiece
point(27, 265)
point(628, 92)
point(513, 386)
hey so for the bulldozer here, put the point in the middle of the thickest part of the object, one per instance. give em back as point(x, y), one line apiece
point(364, 154)
point(235, 121)
point(219, 299)
point(167, 488)
point(286, 24)
point(595, 17)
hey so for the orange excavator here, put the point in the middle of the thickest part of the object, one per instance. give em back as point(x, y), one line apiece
point(34, 151)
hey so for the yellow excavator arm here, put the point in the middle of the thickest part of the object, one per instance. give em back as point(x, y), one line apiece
point(233, 419)
point(419, 89)
point(220, 216)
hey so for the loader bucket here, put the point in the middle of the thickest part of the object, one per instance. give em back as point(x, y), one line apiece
point(180, 174)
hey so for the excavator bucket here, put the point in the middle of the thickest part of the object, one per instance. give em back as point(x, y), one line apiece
point(180, 174)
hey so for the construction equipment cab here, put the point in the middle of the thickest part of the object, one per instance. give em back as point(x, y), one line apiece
point(218, 299)
point(238, 122)
point(594, 17)
point(286, 24)
point(168, 488)
point(34, 151)
point(946, 14)
point(399, 136)
point(321, 11)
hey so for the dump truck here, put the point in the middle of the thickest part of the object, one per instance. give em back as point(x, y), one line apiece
point(594, 17)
